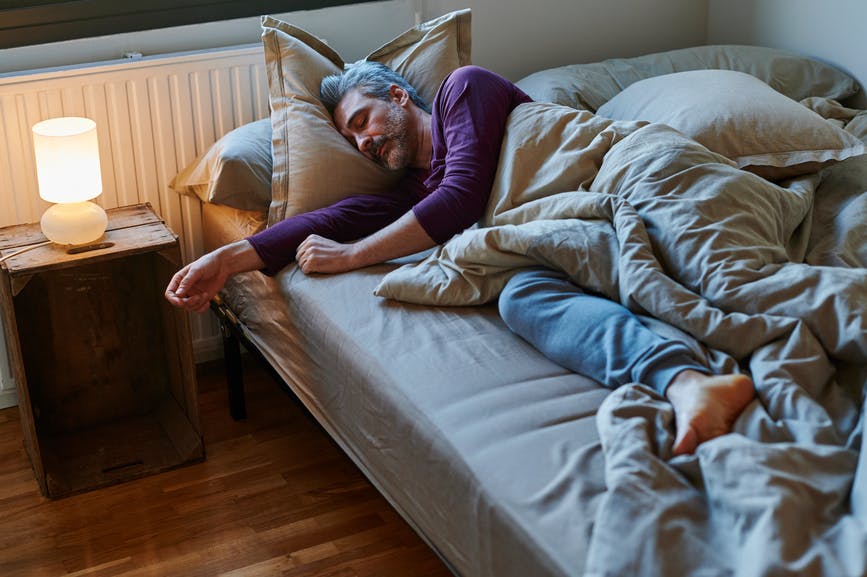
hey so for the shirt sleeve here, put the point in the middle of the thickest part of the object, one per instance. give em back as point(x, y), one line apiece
point(345, 221)
point(470, 119)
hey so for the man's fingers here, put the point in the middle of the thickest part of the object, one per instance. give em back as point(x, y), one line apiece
point(305, 263)
point(189, 278)
point(170, 296)
point(198, 303)
point(320, 255)
point(203, 306)
point(306, 245)
point(306, 253)
point(177, 285)
point(176, 279)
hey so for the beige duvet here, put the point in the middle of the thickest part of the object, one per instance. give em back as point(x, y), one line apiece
point(768, 277)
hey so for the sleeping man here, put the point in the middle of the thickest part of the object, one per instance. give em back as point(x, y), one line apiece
point(450, 153)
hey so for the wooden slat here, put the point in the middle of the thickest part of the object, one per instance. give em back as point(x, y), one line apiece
point(16, 363)
point(131, 230)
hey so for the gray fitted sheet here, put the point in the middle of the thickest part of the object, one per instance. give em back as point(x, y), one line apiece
point(488, 449)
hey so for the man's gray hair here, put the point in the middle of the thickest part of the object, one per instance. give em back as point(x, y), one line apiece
point(371, 79)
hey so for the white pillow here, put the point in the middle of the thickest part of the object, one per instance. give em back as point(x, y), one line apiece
point(740, 117)
point(591, 85)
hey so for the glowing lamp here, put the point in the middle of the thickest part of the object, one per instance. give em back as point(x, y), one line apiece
point(67, 169)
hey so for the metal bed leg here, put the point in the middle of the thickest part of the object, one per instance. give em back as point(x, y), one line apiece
point(232, 358)
point(234, 375)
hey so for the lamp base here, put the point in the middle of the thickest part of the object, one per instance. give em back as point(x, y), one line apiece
point(74, 223)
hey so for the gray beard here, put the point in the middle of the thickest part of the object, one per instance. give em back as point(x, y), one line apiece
point(397, 157)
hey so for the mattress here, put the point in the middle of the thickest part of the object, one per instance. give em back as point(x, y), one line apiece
point(486, 448)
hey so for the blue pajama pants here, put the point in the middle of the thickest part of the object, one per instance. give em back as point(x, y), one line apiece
point(588, 334)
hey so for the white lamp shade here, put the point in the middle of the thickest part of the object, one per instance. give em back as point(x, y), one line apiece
point(67, 159)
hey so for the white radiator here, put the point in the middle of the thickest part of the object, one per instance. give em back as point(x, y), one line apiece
point(154, 115)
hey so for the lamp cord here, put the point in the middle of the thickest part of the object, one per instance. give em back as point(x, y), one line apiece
point(25, 249)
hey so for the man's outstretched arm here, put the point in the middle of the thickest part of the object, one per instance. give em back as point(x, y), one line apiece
point(270, 250)
point(401, 238)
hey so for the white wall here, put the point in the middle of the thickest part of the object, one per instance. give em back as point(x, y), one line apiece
point(512, 37)
point(517, 37)
point(831, 30)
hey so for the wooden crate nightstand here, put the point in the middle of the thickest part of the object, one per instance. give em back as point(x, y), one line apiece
point(102, 363)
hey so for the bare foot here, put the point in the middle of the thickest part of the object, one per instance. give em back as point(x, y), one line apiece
point(706, 406)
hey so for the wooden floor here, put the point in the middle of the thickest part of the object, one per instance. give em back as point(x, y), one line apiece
point(274, 497)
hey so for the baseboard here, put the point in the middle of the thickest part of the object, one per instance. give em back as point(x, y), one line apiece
point(8, 399)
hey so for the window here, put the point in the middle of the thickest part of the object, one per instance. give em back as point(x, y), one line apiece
point(25, 22)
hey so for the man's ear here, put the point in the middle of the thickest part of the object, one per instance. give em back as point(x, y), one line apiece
point(398, 94)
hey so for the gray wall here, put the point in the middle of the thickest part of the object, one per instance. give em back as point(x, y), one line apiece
point(831, 30)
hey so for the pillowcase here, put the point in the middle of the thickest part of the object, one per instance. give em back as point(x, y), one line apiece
point(590, 85)
point(314, 166)
point(740, 117)
point(234, 171)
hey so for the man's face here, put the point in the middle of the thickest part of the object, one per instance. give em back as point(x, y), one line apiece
point(378, 128)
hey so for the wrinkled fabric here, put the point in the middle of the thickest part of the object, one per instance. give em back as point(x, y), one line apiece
point(767, 277)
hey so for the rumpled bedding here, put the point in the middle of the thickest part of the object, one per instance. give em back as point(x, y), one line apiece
point(762, 277)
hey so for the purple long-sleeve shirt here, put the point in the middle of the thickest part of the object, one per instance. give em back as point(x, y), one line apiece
point(468, 120)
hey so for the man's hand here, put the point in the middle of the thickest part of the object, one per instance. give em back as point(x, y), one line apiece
point(403, 237)
point(194, 286)
point(318, 254)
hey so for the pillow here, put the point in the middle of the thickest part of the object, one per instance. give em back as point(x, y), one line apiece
point(591, 85)
point(314, 166)
point(740, 117)
point(234, 171)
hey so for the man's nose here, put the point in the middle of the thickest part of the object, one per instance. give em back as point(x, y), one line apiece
point(363, 142)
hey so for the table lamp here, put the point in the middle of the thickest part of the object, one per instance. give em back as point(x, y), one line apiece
point(67, 169)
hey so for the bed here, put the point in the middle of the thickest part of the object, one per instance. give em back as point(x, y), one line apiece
point(506, 463)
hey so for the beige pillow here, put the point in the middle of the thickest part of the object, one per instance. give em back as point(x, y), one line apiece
point(314, 166)
point(235, 171)
point(740, 117)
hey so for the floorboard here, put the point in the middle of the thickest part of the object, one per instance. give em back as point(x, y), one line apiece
point(275, 497)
